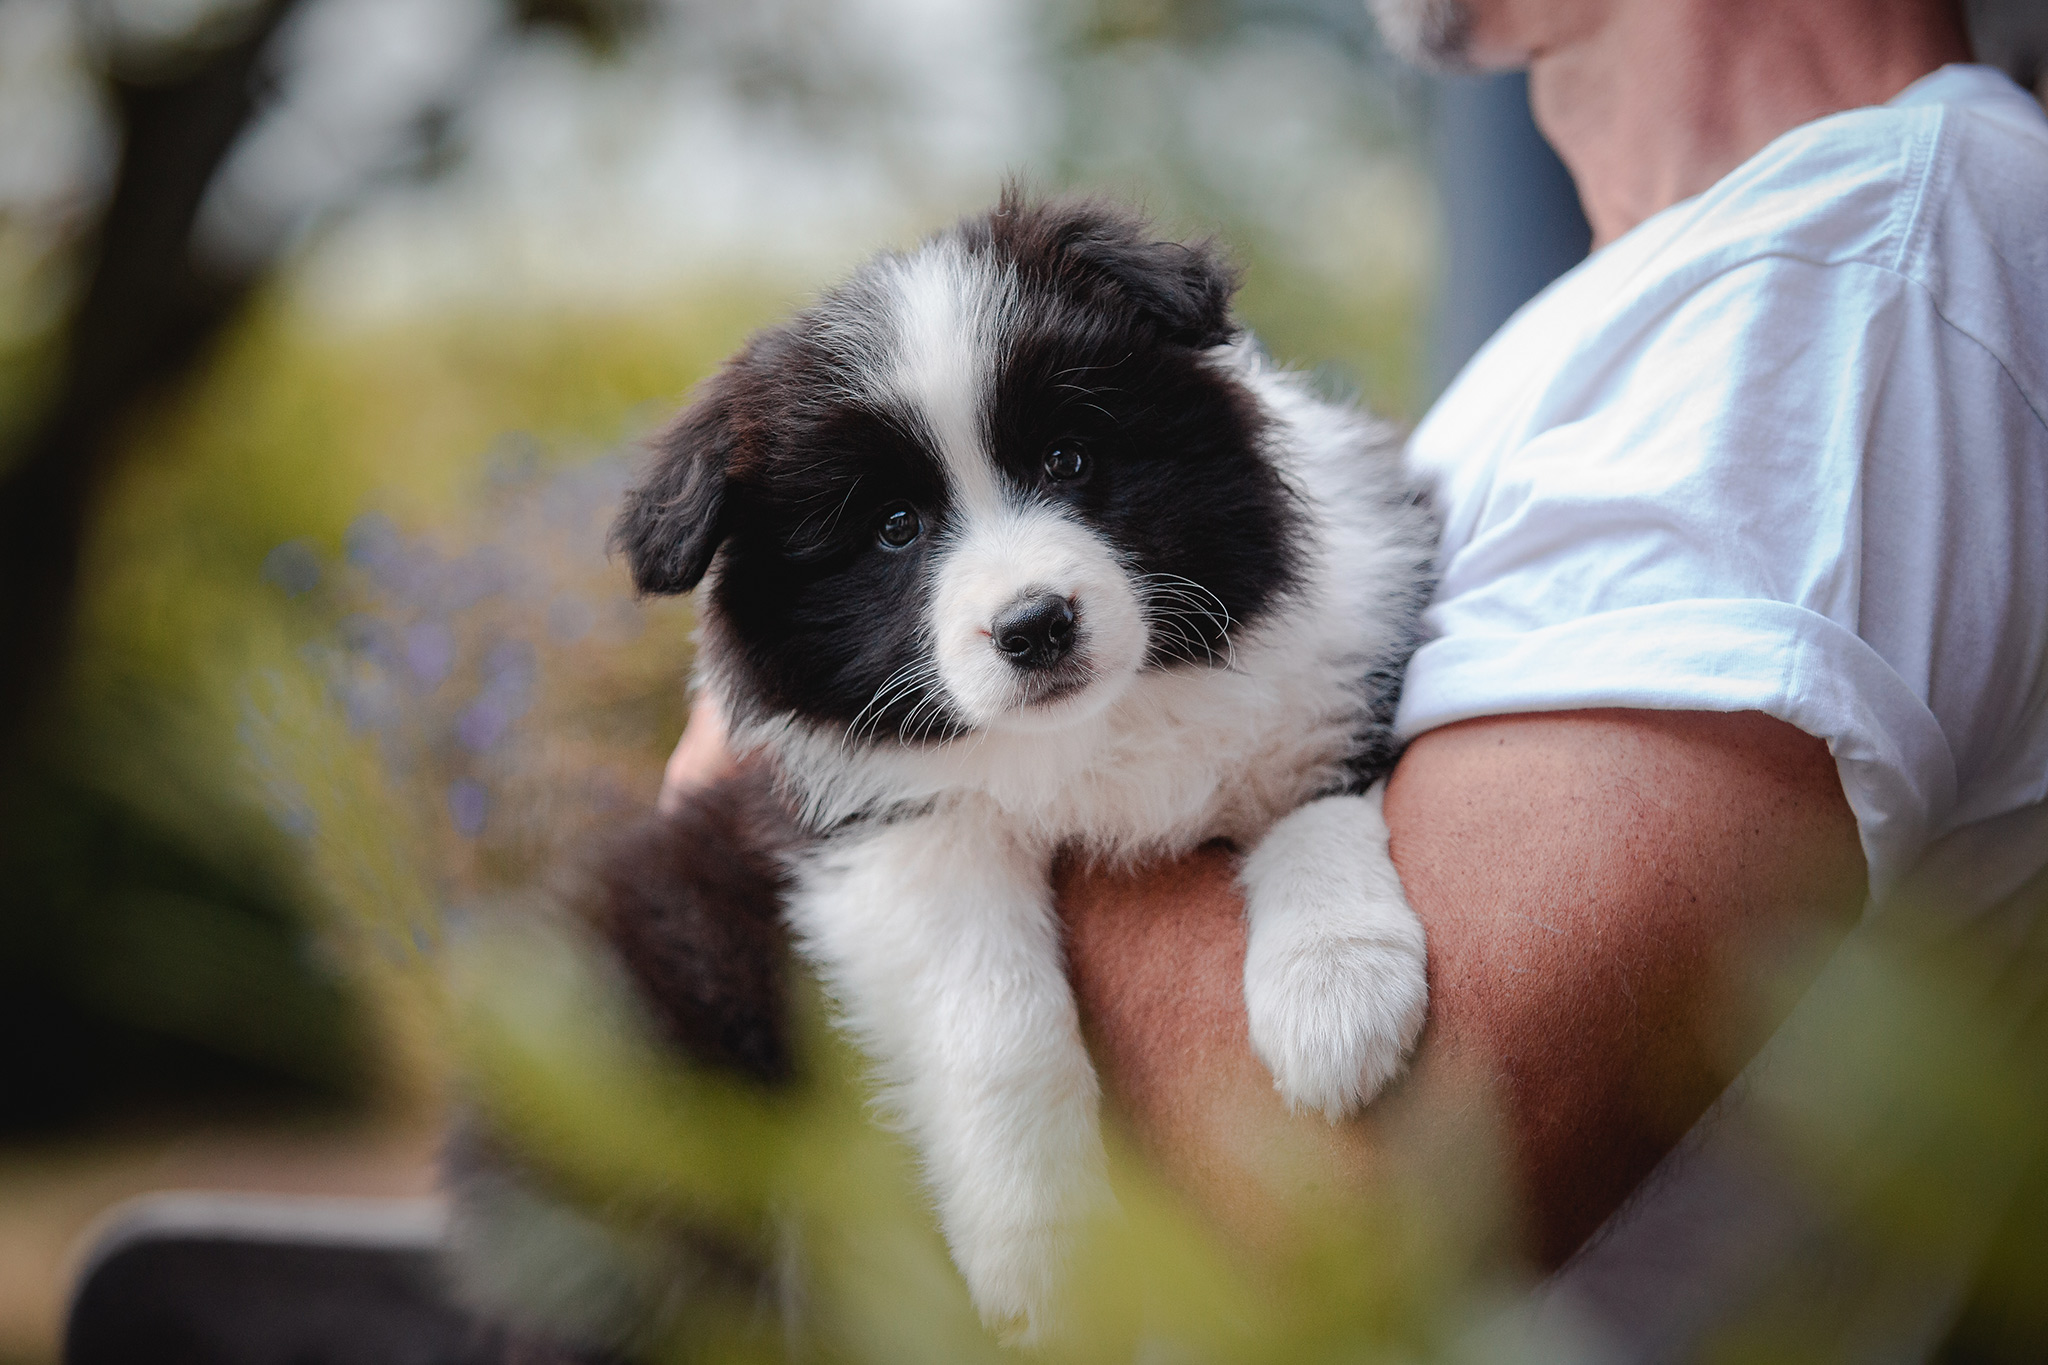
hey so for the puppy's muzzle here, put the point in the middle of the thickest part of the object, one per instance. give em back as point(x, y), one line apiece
point(1035, 632)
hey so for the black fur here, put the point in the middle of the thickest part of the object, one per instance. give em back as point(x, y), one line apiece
point(671, 524)
point(1104, 257)
point(691, 904)
point(1106, 352)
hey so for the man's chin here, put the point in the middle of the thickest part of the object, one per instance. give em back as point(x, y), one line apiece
point(1434, 34)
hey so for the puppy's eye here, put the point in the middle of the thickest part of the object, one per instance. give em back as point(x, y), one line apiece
point(1066, 462)
point(899, 525)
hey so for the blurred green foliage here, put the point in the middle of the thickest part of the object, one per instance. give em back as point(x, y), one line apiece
point(1904, 1112)
point(806, 1181)
point(155, 926)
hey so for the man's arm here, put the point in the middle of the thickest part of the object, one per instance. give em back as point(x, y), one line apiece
point(1594, 885)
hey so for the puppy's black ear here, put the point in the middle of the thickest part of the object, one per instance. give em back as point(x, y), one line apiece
point(1183, 288)
point(673, 521)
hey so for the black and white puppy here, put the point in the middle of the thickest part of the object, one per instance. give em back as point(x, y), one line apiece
point(1015, 543)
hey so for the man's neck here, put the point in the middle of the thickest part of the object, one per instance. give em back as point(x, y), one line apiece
point(1657, 99)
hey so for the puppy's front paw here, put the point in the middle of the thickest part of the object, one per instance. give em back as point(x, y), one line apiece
point(1333, 1018)
point(1334, 979)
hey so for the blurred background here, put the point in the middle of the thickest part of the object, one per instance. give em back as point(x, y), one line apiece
point(327, 328)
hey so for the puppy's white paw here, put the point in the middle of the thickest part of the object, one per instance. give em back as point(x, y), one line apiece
point(1333, 1020)
point(1013, 1276)
point(1334, 978)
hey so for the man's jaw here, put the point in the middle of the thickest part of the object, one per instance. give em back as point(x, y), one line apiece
point(1433, 34)
point(1490, 35)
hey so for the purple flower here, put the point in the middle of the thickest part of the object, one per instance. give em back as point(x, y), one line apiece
point(430, 652)
point(371, 540)
point(293, 566)
point(482, 724)
point(468, 804)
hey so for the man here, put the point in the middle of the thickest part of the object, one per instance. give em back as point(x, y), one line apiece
point(1744, 601)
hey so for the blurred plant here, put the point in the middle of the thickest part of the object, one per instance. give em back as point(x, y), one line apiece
point(146, 305)
point(211, 575)
point(509, 686)
point(830, 1245)
point(161, 161)
point(1905, 1115)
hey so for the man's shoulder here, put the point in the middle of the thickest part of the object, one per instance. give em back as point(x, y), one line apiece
point(1936, 198)
point(1953, 172)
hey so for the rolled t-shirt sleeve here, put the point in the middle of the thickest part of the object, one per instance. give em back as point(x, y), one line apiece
point(1677, 522)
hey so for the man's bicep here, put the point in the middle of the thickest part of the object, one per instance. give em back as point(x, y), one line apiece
point(1596, 886)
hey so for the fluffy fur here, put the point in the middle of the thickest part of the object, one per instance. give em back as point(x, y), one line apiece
point(1013, 544)
point(691, 903)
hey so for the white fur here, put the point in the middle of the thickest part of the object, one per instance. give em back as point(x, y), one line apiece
point(1333, 968)
point(1000, 556)
point(937, 937)
point(948, 312)
point(934, 929)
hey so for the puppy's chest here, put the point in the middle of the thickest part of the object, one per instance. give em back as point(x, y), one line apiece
point(1187, 757)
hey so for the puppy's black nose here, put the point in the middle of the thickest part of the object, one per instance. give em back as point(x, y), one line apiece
point(1036, 632)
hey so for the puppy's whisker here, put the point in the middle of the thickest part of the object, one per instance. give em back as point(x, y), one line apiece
point(909, 689)
point(881, 693)
point(1195, 600)
point(903, 681)
point(1085, 369)
point(935, 699)
point(1159, 622)
point(1181, 644)
point(903, 731)
point(833, 524)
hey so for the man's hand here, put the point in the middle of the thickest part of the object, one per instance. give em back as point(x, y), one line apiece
point(700, 758)
point(1594, 885)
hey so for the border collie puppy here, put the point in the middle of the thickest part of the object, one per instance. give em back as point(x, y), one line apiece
point(1014, 543)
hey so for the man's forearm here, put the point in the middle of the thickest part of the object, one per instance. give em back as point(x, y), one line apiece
point(1593, 885)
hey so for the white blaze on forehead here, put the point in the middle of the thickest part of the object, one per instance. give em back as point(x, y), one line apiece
point(948, 309)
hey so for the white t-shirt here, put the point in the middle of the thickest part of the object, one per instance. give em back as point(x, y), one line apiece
point(1782, 448)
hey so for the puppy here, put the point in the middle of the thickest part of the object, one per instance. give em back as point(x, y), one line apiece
point(1015, 543)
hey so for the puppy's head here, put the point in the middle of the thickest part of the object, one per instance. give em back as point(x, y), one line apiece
point(982, 485)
